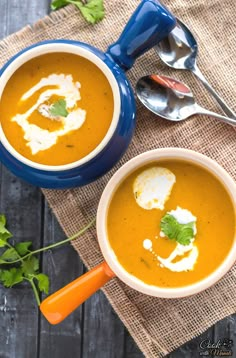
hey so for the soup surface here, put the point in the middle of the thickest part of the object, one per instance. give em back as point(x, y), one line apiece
point(151, 239)
point(56, 108)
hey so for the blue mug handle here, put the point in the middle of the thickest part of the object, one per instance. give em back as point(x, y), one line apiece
point(148, 25)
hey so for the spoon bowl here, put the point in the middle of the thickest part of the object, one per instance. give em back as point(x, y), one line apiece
point(171, 99)
point(166, 97)
point(179, 51)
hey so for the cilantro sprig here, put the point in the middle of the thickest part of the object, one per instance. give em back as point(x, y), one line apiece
point(18, 262)
point(58, 109)
point(92, 10)
point(182, 233)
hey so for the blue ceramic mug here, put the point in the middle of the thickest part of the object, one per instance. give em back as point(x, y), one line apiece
point(149, 24)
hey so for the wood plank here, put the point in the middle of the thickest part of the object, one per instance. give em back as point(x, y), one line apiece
point(192, 348)
point(103, 331)
point(19, 312)
point(226, 330)
point(15, 14)
point(62, 265)
point(131, 349)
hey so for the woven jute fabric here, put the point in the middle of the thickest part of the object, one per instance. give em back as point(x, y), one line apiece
point(157, 325)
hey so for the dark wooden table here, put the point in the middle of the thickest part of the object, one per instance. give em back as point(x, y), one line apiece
point(94, 330)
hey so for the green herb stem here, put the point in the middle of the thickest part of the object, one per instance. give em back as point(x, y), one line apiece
point(71, 238)
point(34, 289)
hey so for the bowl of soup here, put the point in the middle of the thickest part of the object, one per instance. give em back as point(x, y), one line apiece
point(165, 226)
point(67, 110)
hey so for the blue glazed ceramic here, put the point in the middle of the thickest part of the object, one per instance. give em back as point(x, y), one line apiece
point(149, 24)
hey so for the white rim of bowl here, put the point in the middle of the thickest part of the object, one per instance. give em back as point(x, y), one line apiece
point(118, 177)
point(63, 48)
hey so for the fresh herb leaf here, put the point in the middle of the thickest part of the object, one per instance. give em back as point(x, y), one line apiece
point(27, 268)
point(57, 4)
point(4, 233)
point(23, 247)
point(11, 277)
point(58, 109)
point(3, 222)
point(170, 226)
point(185, 235)
point(92, 10)
point(30, 266)
point(182, 233)
point(3, 242)
point(43, 282)
point(9, 255)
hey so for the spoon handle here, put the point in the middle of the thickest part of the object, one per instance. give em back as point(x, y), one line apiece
point(224, 119)
point(220, 101)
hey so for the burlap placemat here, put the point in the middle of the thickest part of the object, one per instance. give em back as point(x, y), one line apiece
point(157, 325)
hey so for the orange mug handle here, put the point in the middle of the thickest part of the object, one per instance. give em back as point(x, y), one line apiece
point(61, 303)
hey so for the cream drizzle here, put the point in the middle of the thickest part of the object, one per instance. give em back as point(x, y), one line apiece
point(39, 139)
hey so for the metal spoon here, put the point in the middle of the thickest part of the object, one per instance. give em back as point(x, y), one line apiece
point(179, 51)
point(171, 99)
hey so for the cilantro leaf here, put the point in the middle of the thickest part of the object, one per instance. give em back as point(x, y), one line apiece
point(9, 255)
point(170, 226)
point(185, 235)
point(58, 109)
point(1, 275)
point(23, 247)
point(3, 221)
point(43, 282)
point(11, 277)
point(182, 233)
point(92, 10)
point(30, 266)
point(27, 265)
point(3, 242)
point(4, 233)
point(4, 236)
point(57, 4)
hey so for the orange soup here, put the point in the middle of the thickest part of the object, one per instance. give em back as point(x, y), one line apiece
point(56, 108)
point(171, 223)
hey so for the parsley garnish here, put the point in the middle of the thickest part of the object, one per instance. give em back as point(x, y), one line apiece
point(58, 109)
point(92, 10)
point(24, 265)
point(182, 233)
